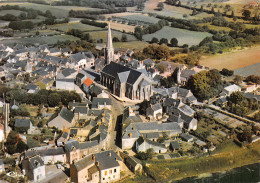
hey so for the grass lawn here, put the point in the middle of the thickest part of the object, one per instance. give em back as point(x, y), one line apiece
point(32, 110)
point(213, 27)
point(175, 155)
point(41, 85)
point(32, 143)
point(228, 158)
point(160, 157)
point(12, 12)
point(143, 18)
point(80, 26)
point(183, 36)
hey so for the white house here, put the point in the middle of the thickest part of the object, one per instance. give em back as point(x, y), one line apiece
point(230, 89)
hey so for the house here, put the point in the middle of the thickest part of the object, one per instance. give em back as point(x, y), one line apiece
point(2, 101)
point(86, 84)
point(31, 88)
point(200, 143)
point(67, 73)
point(230, 89)
point(84, 170)
point(34, 168)
point(126, 82)
point(175, 146)
point(72, 151)
point(186, 137)
point(2, 166)
point(134, 164)
point(108, 163)
point(54, 52)
point(65, 119)
point(23, 125)
point(65, 84)
point(101, 103)
point(48, 155)
point(154, 111)
point(143, 144)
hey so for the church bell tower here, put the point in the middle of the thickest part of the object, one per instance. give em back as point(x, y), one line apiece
point(109, 53)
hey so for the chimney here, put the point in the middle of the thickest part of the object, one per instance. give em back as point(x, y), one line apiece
point(93, 157)
point(130, 134)
point(97, 163)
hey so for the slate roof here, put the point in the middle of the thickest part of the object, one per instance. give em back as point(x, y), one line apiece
point(68, 71)
point(31, 87)
point(67, 114)
point(151, 135)
point(187, 73)
point(153, 143)
point(133, 161)
point(22, 123)
point(35, 162)
point(135, 134)
point(84, 162)
point(46, 81)
point(114, 68)
point(69, 145)
point(89, 144)
point(175, 145)
point(107, 159)
point(81, 110)
point(186, 136)
point(95, 90)
point(156, 107)
point(100, 101)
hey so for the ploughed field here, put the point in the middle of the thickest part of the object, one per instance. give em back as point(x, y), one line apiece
point(236, 60)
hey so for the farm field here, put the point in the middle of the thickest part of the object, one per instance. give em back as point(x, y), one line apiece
point(235, 60)
point(143, 18)
point(120, 27)
point(213, 27)
point(40, 40)
point(249, 70)
point(137, 45)
point(83, 27)
point(58, 11)
point(183, 36)
point(13, 12)
point(97, 35)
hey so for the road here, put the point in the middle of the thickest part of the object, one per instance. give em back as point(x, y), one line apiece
point(53, 174)
point(117, 110)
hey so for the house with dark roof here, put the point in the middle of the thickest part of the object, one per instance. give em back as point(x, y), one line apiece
point(72, 151)
point(134, 164)
point(101, 103)
point(65, 84)
point(23, 125)
point(84, 170)
point(126, 82)
point(65, 119)
point(108, 163)
point(142, 144)
point(34, 168)
point(67, 73)
point(175, 146)
point(154, 111)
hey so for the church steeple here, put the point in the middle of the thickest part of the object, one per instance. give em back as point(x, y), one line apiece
point(109, 55)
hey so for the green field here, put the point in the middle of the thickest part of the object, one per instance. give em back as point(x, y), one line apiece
point(40, 40)
point(58, 11)
point(80, 26)
point(183, 36)
point(96, 35)
point(12, 12)
point(143, 18)
point(138, 45)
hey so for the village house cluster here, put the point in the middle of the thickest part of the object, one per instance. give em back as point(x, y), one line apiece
point(87, 128)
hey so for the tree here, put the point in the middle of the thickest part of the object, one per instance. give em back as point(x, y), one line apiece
point(236, 97)
point(54, 99)
point(140, 6)
point(246, 136)
point(174, 42)
point(238, 79)
point(246, 14)
point(161, 68)
point(163, 41)
point(11, 142)
point(21, 146)
point(226, 72)
point(124, 38)
point(115, 39)
point(143, 106)
point(154, 40)
point(160, 6)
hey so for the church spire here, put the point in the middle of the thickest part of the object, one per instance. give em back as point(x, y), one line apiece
point(109, 38)
point(109, 47)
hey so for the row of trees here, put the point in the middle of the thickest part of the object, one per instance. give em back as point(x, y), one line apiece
point(139, 31)
point(173, 41)
point(94, 23)
point(44, 97)
point(84, 14)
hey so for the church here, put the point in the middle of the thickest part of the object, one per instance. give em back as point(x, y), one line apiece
point(121, 80)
